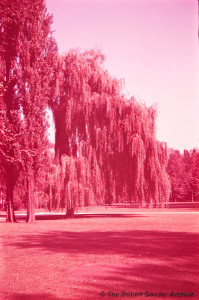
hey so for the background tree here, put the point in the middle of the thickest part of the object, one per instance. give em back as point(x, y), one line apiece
point(188, 174)
point(183, 172)
point(195, 175)
point(176, 171)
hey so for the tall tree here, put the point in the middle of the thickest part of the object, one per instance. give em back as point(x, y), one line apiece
point(10, 120)
point(28, 51)
point(111, 133)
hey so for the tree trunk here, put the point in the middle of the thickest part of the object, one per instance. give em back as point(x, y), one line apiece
point(10, 215)
point(70, 212)
point(50, 196)
point(69, 204)
point(58, 197)
point(31, 200)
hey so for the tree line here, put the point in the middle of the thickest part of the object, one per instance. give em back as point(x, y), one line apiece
point(183, 170)
point(105, 149)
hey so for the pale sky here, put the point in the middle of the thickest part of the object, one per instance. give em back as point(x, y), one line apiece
point(152, 45)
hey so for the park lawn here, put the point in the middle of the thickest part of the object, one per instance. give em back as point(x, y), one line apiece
point(81, 257)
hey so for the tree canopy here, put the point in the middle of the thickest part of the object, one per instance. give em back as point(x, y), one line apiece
point(95, 124)
point(26, 56)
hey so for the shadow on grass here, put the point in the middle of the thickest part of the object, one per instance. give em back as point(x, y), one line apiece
point(105, 215)
point(55, 216)
point(133, 243)
point(148, 260)
point(34, 297)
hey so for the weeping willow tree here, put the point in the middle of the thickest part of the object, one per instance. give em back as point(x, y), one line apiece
point(105, 144)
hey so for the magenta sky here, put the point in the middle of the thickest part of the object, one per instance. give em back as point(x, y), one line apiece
point(152, 44)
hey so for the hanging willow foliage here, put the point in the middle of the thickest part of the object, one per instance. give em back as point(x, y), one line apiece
point(83, 183)
point(105, 143)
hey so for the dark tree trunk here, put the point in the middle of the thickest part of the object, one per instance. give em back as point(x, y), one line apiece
point(50, 197)
point(69, 206)
point(70, 212)
point(10, 215)
point(31, 199)
point(58, 198)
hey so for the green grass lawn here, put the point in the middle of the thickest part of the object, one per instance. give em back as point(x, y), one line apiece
point(81, 257)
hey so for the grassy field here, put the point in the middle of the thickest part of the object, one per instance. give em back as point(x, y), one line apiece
point(109, 253)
